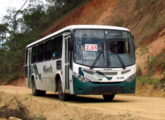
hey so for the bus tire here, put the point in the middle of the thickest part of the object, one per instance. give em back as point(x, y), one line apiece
point(108, 97)
point(36, 92)
point(61, 94)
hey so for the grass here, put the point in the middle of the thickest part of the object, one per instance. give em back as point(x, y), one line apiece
point(119, 22)
point(144, 50)
point(152, 65)
point(139, 71)
point(147, 80)
point(162, 61)
point(154, 1)
point(163, 66)
point(0, 97)
point(152, 60)
point(161, 84)
point(11, 77)
point(156, 63)
point(128, 113)
point(138, 4)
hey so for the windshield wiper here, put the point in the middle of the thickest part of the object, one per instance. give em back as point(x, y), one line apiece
point(121, 61)
point(116, 46)
point(93, 64)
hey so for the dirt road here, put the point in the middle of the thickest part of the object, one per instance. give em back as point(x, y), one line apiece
point(92, 107)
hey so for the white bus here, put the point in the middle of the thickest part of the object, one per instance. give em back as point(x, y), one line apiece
point(82, 59)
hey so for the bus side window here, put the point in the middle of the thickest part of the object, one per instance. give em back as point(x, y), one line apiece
point(40, 52)
point(34, 54)
point(57, 47)
point(48, 50)
point(54, 52)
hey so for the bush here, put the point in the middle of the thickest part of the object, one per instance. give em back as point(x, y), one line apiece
point(16, 109)
point(138, 4)
point(163, 75)
point(146, 80)
point(152, 60)
point(11, 77)
point(163, 66)
point(141, 79)
point(119, 22)
point(139, 71)
point(143, 50)
point(154, 1)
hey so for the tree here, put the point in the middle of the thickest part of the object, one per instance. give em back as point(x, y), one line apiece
point(3, 32)
point(20, 27)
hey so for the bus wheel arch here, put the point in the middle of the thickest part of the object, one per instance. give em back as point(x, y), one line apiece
point(36, 92)
point(61, 95)
point(33, 86)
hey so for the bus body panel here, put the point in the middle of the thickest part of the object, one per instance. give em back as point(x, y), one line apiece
point(44, 75)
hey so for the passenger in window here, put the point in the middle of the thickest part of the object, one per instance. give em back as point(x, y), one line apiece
point(54, 55)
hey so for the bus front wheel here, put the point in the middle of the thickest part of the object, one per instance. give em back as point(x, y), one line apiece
point(108, 97)
point(61, 94)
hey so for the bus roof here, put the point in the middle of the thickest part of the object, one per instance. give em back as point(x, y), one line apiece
point(72, 27)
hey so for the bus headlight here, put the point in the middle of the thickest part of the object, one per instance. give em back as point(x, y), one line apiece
point(129, 79)
point(82, 78)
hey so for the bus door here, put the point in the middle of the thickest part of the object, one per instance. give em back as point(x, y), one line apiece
point(66, 62)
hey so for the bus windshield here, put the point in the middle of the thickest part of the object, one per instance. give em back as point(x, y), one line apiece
point(104, 48)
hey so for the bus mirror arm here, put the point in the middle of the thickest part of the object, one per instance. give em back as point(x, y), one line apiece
point(133, 41)
point(132, 37)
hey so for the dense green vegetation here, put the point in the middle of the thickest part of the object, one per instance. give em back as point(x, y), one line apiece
point(21, 27)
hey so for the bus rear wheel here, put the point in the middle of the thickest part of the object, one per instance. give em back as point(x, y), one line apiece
point(61, 94)
point(36, 92)
point(108, 97)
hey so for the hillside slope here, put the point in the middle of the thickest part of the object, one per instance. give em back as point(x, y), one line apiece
point(145, 19)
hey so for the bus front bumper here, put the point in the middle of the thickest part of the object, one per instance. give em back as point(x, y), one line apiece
point(103, 88)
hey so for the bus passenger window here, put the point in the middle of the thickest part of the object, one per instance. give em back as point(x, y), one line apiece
point(48, 50)
point(40, 53)
point(57, 47)
point(34, 54)
point(53, 54)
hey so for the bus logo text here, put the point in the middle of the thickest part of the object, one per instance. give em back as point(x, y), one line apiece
point(47, 69)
